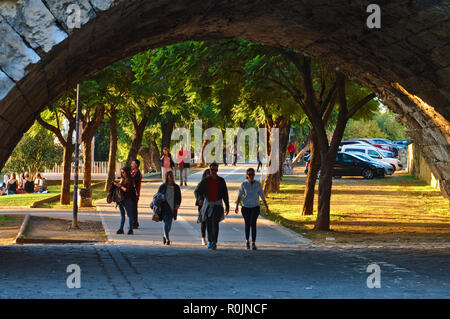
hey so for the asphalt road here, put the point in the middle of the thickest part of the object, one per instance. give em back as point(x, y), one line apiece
point(285, 266)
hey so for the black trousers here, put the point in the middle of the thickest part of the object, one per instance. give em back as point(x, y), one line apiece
point(250, 216)
point(134, 209)
point(212, 224)
point(203, 226)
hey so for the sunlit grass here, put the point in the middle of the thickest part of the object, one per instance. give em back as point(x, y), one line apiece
point(397, 208)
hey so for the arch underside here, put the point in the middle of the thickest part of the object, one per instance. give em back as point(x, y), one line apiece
point(404, 62)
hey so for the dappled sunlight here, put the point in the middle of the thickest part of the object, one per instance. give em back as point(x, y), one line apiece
point(399, 207)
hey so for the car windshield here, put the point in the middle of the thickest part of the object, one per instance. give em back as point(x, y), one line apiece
point(363, 157)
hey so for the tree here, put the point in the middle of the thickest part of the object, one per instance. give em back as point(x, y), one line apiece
point(53, 119)
point(35, 152)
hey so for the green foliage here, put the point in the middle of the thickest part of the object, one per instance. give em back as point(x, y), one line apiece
point(389, 125)
point(363, 129)
point(35, 152)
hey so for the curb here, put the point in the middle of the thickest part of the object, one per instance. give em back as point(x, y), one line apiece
point(19, 239)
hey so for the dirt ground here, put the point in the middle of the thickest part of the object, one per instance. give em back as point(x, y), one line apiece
point(9, 228)
point(398, 208)
point(57, 229)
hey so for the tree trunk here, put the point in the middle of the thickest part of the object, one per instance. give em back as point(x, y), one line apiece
point(150, 156)
point(113, 139)
point(314, 167)
point(167, 129)
point(272, 182)
point(325, 184)
point(87, 153)
point(136, 142)
point(65, 183)
point(202, 162)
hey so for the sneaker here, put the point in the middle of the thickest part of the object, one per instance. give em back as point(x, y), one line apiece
point(120, 231)
point(164, 240)
point(210, 245)
point(185, 183)
point(130, 232)
point(214, 246)
point(248, 245)
point(135, 226)
point(203, 242)
point(168, 243)
point(254, 247)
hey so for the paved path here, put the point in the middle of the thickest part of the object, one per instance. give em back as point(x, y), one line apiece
point(185, 230)
point(285, 266)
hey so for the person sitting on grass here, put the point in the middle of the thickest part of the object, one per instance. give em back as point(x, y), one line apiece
point(29, 184)
point(11, 185)
point(40, 184)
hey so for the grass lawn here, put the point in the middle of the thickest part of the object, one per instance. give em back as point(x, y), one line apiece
point(397, 208)
point(97, 193)
point(28, 199)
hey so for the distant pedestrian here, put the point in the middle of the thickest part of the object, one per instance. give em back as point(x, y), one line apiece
point(235, 153)
point(137, 179)
point(291, 150)
point(225, 156)
point(199, 199)
point(184, 164)
point(125, 206)
point(167, 163)
point(259, 156)
point(250, 191)
point(171, 204)
point(214, 190)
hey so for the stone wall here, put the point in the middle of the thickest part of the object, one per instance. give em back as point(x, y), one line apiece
point(418, 167)
point(406, 62)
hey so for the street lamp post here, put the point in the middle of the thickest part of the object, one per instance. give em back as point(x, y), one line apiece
point(77, 160)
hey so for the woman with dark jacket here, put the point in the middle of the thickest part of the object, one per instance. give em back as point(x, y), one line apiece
point(199, 199)
point(127, 186)
point(171, 203)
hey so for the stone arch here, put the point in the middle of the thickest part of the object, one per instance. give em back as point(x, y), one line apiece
point(406, 62)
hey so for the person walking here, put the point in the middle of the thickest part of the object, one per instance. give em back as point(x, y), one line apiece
point(171, 204)
point(12, 185)
point(225, 156)
point(259, 156)
point(184, 164)
point(137, 179)
point(167, 163)
point(198, 198)
point(235, 153)
point(291, 150)
point(214, 190)
point(125, 206)
point(250, 191)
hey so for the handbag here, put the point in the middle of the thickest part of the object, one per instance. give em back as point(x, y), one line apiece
point(156, 217)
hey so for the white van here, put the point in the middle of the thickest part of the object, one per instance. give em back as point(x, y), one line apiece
point(373, 153)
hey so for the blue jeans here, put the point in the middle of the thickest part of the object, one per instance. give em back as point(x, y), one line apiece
point(126, 206)
point(167, 225)
point(11, 192)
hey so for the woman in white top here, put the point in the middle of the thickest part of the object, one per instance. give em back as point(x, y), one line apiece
point(250, 192)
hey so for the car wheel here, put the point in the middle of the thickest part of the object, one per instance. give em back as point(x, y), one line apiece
point(367, 173)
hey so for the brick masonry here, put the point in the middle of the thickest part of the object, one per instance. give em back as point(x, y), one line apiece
point(40, 57)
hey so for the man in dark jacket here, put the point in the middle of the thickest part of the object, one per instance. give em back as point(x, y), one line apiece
point(137, 176)
point(214, 190)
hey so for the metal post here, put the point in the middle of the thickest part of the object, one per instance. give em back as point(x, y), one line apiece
point(77, 161)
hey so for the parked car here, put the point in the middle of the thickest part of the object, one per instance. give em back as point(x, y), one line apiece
point(384, 153)
point(388, 169)
point(401, 144)
point(350, 165)
point(383, 146)
point(373, 153)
